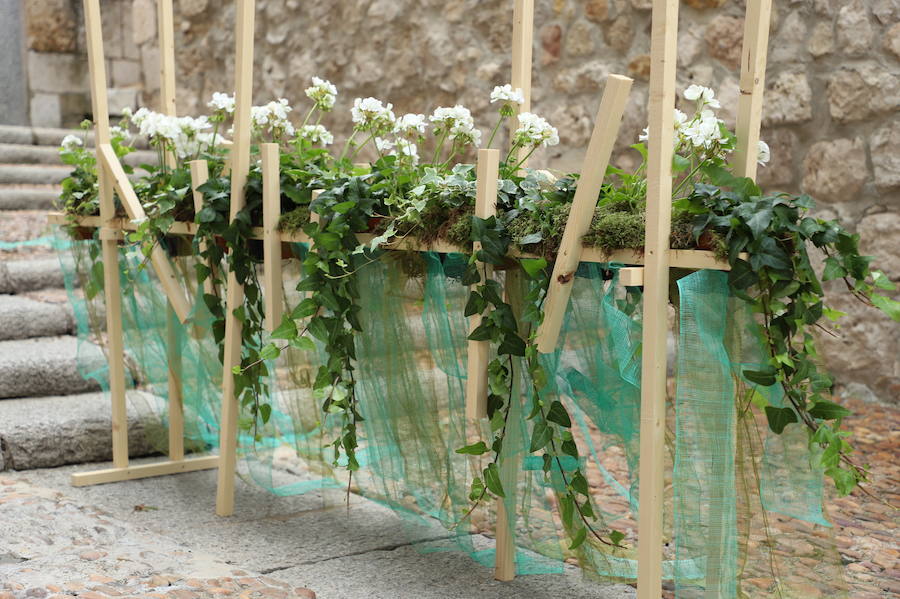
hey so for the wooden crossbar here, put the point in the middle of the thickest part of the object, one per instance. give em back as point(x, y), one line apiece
point(274, 300)
point(593, 170)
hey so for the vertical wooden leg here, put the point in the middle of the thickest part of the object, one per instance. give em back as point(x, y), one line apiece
point(228, 422)
point(176, 392)
point(115, 342)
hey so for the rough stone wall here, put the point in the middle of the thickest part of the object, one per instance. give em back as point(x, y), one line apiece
point(831, 115)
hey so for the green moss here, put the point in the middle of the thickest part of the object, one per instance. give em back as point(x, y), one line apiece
point(549, 221)
point(458, 228)
point(616, 230)
point(682, 231)
point(294, 221)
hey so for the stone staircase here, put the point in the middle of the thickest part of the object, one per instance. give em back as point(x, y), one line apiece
point(50, 414)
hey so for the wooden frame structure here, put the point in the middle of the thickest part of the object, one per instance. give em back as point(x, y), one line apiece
point(652, 270)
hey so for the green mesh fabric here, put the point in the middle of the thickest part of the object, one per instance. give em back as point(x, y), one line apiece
point(733, 487)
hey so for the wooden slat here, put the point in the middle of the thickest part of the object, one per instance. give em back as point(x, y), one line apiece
point(109, 246)
point(176, 393)
point(663, 52)
point(753, 79)
point(478, 353)
point(113, 475)
point(234, 296)
point(271, 237)
point(158, 258)
point(199, 176)
point(166, 29)
point(522, 51)
point(593, 169)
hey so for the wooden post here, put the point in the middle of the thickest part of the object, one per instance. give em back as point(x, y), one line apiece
point(108, 237)
point(522, 50)
point(176, 393)
point(478, 352)
point(166, 30)
point(234, 297)
point(271, 237)
point(199, 176)
point(663, 52)
point(753, 78)
point(593, 169)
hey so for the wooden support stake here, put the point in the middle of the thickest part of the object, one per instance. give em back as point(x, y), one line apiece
point(593, 169)
point(158, 258)
point(271, 237)
point(199, 176)
point(663, 52)
point(753, 78)
point(176, 393)
point(522, 50)
point(110, 249)
point(632, 276)
point(166, 29)
point(114, 475)
point(479, 351)
point(234, 296)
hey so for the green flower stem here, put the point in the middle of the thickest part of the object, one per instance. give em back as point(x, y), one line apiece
point(494, 131)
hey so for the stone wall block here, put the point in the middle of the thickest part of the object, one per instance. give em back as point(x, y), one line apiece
point(51, 25)
point(551, 43)
point(723, 40)
point(143, 21)
point(57, 73)
point(620, 33)
point(580, 39)
point(702, 4)
point(821, 41)
point(126, 73)
point(892, 40)
point(854, 30)
point(835, 170)
point(788, 100)
point(45, 110)
point(859, 92)
point(779, 174)
point(886, 156)
point(596, 10)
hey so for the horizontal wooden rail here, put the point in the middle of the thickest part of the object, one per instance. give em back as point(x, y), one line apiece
point(690, 259)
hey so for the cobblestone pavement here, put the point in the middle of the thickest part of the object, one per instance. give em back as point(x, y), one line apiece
point(54, 548)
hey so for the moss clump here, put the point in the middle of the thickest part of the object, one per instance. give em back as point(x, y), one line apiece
point(457, 228)
point(616, 230)
point(295, 220)
point(682, 231)
point(549, 220)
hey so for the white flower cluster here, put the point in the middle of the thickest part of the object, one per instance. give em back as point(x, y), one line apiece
point(402, 147)
point(762, 153)
point(704, 96)
point(183, 135)
point(410, 126)
point(370, 114)
point(323, 93)
point(273, 117)
point(506, 93)
point(535, 131)
point(458, 123)
point(70, 142)
point(317, 134)
point(222, 103)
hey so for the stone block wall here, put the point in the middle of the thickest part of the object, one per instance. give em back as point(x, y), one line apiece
point(831, 115)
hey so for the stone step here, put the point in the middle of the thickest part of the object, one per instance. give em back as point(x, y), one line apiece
point(20, 276)
point(33, 174)
point(45, 432)
point(44, 136)
point(24, 318)
point(47, 366)
point(29, 154)
point(28, 197)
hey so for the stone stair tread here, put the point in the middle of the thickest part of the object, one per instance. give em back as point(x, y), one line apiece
point(24, 318)
point(45, 432)
point(28, 196)
point(33, 173)
point(29, 154)
point(47, 366)
point(20, 276)
point(47, 136)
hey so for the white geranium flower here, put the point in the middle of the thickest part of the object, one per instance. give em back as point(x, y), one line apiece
point(446, 117)
point(385, 146)
point(535, 131)
point(370, 114)
point(323, 93)
point(273, 117)
point(138, 117)
point(317, 134)
point(70, 142)
point(506, 93)
point(703, 131)
point(410, 126)
point(222, 103)
point(762, 153)
point(704, 96)
point(466, 133)
point(409, 150)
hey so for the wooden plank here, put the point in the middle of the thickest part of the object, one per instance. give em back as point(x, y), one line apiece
point(631, 276)
point(158, 257)
point(199, 176)
point(753, 79)
point(113, 475)
point(522, 50)
point(663, 52)
point(176, 393)
point(593, 169)
point(234, 296)
point(109, 245)
point(478, 353)
point(166, 33)
point(271, 175)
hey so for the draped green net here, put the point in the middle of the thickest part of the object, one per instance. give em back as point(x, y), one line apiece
point(743, 507)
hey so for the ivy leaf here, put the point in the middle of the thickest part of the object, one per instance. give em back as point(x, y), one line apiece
point(882, 281)
point(559, 415)
point(540, 436)
point(760, 221)
point(579, 483)
point(477, 489)
point(286, 330)
point(534, 266)
point(269, 352)
point(536, 237)
point(616, 537)
point(306, 308)
point(579, 538)
point(828, 410)
point(511, 345)
point(833, 270)
point(343, 207)
point(742, 275)
point(779, 418)
point(844, 480)
point(492, 480)
point(482, 332)
point(303, 343)
point(475, 449)
point(265, 412)
point(765, 378)
point(475, 305)
point(887, 305)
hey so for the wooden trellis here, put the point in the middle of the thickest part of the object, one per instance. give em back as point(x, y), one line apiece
point(651, 268)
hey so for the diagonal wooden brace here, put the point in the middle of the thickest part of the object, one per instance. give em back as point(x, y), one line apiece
point(593, 169)
point(158, 257)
